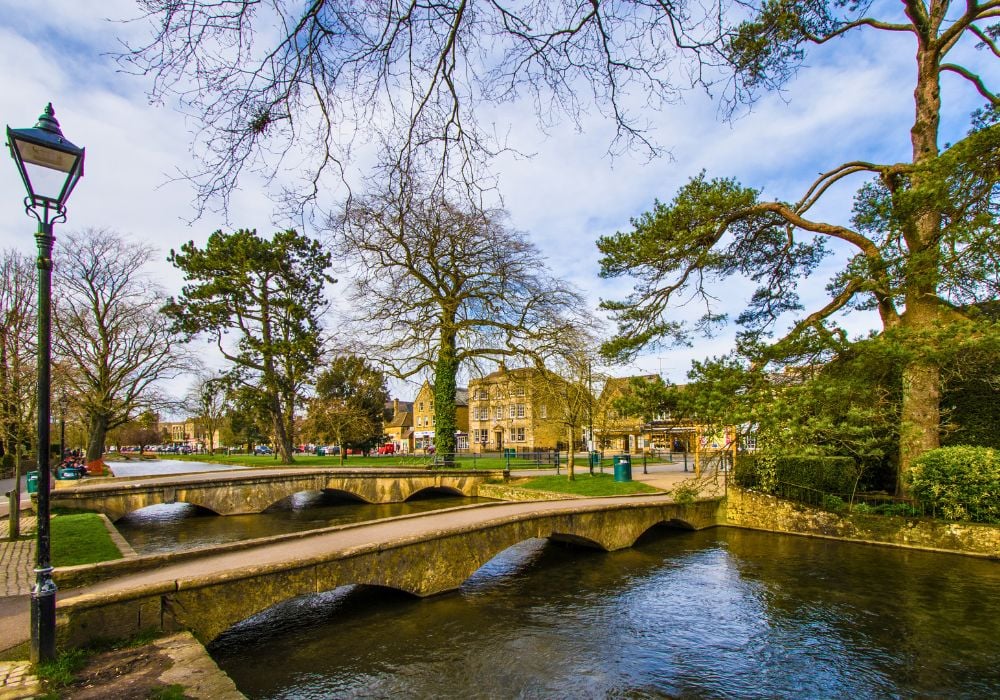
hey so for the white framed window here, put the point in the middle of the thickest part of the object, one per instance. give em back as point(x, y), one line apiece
point(543, 412)
point(520, 435)
point(498, 414)
point(512, 410)
point(520, 410)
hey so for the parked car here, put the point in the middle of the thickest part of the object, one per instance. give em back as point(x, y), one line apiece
point(262, 450)
point(387, 449)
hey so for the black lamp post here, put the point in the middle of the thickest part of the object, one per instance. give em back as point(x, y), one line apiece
point(50, 167)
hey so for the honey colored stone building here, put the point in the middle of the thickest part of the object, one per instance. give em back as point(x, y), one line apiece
point(508, 409)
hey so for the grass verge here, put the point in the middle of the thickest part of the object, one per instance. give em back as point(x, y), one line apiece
point(81, 538)
point(587, 485)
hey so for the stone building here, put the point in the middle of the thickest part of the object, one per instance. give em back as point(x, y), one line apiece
point(511, 409)
point(424, 418)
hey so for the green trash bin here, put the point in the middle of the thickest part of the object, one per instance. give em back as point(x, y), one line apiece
point(595, 459)
point(623, 467)
point(510, 452)
point(32, 482)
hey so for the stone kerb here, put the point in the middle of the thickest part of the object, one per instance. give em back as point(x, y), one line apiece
point(422, 565)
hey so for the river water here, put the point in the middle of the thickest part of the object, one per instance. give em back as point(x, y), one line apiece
point(720, 613)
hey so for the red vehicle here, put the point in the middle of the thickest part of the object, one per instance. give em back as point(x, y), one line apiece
point(387, 449)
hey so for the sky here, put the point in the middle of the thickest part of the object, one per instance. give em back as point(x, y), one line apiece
point(852, 100)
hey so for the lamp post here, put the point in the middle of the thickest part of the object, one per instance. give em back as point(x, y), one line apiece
point(50, 167)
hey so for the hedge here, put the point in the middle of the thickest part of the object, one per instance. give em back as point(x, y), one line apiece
point(829, 474)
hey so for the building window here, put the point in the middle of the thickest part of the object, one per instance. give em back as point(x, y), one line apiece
point(512, 410)
point(520, 410)
point(520, 435)
point(421, 406)
point(543, 412)
point(499, 412)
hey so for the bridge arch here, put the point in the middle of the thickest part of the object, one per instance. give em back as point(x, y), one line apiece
point(430, 491)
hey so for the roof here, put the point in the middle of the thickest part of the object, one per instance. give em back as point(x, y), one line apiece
point(461, 395)
point(403, 419)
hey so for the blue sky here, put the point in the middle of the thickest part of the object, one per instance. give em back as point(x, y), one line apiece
point(852, 100)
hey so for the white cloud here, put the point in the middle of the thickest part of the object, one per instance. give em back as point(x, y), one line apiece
point(852, 101)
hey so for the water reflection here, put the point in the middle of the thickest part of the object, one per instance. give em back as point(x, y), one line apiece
point(179, 526)
point(718, 613)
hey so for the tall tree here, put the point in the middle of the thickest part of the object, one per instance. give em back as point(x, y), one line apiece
point(437, 286)
point(18, 378)
point(349, 406)
point(109, 335)
point(269, 294)
point(922, 239)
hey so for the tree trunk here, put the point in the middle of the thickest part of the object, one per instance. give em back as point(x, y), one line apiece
point(95, 440)
point(445, 420)
point(920, 420)
point(570, 457)
point(14, 527)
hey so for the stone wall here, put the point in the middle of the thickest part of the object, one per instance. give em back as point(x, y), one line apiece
point(504, 492)
point(762, 512)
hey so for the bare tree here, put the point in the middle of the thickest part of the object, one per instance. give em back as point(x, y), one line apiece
point(18, 379)
point(438, 286)
point(208, 402)
point(273, 80)
point(109, 332)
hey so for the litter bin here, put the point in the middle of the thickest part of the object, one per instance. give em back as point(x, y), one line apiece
point(32, 482)
point(595, 459)
point(623, 468)
point(510, 452)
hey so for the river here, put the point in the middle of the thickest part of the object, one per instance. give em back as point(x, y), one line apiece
point(720, 613)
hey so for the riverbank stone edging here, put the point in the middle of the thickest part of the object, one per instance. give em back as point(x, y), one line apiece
point(505, 492)
point(759, 511)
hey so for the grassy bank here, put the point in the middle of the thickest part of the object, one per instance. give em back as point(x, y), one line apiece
point(586, 485)
point(81, 538)
point(463, 461)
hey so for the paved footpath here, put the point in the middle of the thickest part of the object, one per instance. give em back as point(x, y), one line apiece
point(17, 561)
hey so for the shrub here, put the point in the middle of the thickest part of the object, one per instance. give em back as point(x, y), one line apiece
point(834, 503)
point(960, 483)
point(821, 473)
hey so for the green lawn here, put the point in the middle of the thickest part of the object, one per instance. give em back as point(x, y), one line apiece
point(587, 485)
point(303, 460)
point(464, 461)
point(81, 538)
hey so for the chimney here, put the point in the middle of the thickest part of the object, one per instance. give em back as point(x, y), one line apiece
point(503, 366)
point(395, 407)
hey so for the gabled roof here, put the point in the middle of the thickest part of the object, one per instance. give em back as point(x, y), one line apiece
point(403, 419)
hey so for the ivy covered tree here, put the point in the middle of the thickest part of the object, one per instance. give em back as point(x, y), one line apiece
point(438, 286)
point(267, 293)
point(923, 231)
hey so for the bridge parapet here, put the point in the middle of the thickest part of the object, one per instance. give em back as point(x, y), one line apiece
point(236, 493)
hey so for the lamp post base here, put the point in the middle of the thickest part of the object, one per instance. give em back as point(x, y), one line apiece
point(43, 617)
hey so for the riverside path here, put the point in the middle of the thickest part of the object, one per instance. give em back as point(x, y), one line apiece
point(422, 554)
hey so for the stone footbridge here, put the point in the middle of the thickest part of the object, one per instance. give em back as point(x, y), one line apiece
point(421, 554)
point(253, 491)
